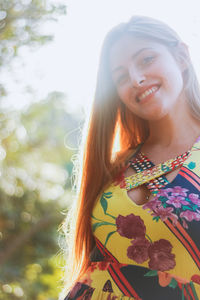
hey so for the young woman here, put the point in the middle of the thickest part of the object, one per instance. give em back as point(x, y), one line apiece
point(137, 217)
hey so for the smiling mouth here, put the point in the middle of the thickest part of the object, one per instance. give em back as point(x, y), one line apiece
point(147, 93)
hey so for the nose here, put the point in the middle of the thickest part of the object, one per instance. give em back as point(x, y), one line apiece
point(137, 77)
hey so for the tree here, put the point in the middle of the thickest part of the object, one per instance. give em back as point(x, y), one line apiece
point(35, 166)
point(35, 174)
point(20, 23)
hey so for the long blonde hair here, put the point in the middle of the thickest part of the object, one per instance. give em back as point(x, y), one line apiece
point(97, 167)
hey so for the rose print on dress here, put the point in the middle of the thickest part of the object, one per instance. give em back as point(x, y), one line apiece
point(130, 226)
point(138, 251)
point(142, 248)
point(161, 258)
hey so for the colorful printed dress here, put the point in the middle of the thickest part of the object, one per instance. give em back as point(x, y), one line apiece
point(149, 251)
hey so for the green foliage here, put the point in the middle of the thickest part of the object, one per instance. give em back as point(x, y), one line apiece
point(34, 182)
point(35, 166)
point(20, 23)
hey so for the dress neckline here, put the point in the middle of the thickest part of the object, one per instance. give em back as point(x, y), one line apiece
point(147, 172)
point(193, 148)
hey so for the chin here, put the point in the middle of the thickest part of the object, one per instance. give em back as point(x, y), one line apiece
point(155, 115)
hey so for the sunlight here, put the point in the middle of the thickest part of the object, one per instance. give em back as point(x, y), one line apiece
point(69, 64)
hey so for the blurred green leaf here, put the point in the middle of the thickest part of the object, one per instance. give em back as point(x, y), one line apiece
point(35, 166)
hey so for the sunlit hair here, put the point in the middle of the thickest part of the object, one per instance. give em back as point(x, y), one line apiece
point(97, 165)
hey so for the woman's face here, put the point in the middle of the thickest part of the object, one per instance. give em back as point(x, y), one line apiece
point(147, 77)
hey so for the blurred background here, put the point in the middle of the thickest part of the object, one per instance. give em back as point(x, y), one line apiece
point(49, 52)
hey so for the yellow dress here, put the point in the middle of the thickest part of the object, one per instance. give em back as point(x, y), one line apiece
point(149, 251)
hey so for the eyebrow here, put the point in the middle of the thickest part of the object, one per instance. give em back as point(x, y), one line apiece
point(133, 56)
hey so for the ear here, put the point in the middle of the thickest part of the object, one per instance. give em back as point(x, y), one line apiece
point(183, 56)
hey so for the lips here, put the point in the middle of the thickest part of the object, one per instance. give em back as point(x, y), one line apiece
point(146, 91)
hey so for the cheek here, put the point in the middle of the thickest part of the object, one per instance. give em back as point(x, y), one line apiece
point(175, 80)
point(170, 70)
point(124, 93)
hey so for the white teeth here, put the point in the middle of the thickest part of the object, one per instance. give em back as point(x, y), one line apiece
point(148, 92)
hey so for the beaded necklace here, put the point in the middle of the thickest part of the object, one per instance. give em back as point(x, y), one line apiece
point(149, 174)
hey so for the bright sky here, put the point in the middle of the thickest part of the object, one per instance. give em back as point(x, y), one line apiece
point(69, 64)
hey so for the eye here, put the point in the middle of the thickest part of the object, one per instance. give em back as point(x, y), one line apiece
point(122, 79)
point(148, 59)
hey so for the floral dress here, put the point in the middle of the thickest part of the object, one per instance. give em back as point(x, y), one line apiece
point(149, 251)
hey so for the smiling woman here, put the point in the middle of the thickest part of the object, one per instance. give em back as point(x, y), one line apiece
point(137, 214)
point(145, 75)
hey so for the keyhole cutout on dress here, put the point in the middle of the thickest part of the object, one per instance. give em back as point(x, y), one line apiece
point(141, 194)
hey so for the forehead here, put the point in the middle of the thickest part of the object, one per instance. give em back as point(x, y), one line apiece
point(127, 46)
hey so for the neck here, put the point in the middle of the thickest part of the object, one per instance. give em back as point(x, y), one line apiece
point(173, 132)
